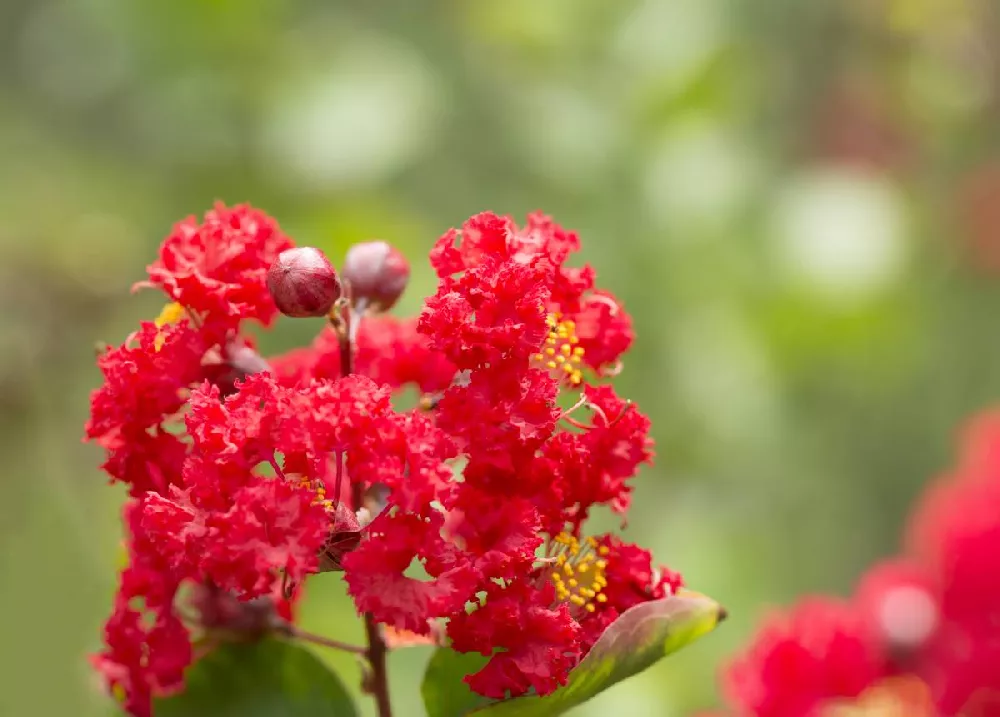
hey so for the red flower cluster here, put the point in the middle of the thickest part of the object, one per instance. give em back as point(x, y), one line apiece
point(247, 475)
point(921, 635)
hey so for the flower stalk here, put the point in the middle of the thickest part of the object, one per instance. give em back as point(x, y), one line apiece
point(376, 651)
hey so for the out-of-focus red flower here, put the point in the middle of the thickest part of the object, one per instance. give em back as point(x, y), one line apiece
point(900, 600)
point(897, 696)
point(820, 651)
point(921, 634)
point(955, 531)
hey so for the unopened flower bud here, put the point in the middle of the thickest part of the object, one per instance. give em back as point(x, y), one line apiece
point(377, 273)
point(303, 283)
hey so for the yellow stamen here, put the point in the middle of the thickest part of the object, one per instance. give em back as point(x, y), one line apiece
point(560, 353)
point(579, 575)
point(170, 314)
point(318, 488)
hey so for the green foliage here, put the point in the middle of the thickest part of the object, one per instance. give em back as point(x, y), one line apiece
point(271, 678)
point(637, 640)
point(444, 693)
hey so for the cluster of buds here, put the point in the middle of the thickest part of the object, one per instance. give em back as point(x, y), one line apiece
point(921, 635)
point(249, 475)
point(304, 283)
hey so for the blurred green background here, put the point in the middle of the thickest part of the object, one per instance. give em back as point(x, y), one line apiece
point(798, 201)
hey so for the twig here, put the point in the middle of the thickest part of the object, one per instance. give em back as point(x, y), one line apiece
point(376, 658)
point(297, 633)
point(376, 650)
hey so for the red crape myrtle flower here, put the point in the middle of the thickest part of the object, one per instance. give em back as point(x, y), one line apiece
point(920, 637)
point(228, 522)
point(247, 476)
point(505, 317)
point(214, 275)
point(821, 651)
point(217, 269)
point(955, 533)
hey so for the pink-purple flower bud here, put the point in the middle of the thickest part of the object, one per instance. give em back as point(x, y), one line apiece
point(377, 273)
point(303, 283)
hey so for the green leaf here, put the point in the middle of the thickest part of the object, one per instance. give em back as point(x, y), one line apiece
point(635, 641)
point(444, 693)
point(270, 678)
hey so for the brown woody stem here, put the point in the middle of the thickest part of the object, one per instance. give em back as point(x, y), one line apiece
point(376, 650)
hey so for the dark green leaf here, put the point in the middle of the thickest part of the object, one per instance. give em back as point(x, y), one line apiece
point(270, 678)
point(445, 695)
point(635, 641)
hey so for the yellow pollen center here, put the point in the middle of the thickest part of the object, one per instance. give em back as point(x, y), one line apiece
point(171, 314)
point(560, 354)
point(578, 571)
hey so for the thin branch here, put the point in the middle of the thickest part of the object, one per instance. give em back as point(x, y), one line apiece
point(376, 651)
point(300, 634)
point(376, 658)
